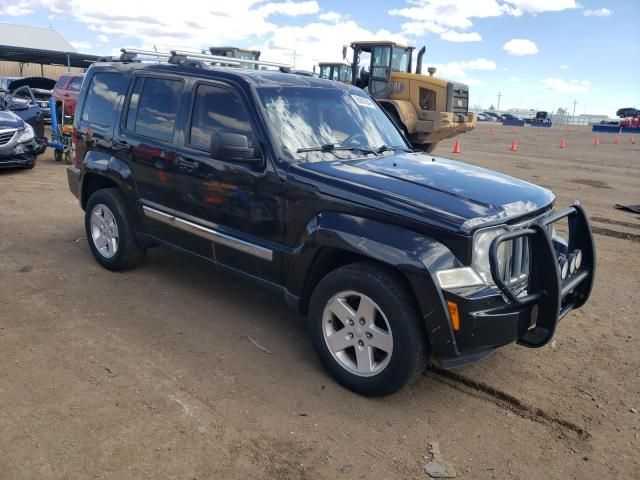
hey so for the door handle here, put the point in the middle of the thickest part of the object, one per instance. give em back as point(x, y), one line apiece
point(187, 164)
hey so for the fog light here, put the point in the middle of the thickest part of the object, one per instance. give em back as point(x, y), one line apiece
point(572, 263)
point(563, 264)
point(578, 259)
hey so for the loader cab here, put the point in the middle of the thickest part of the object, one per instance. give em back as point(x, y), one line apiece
point(240, 53)
point(338, 71)
point(373, 63)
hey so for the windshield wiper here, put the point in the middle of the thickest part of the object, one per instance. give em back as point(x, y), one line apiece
point(388, 148)
point(336, 147)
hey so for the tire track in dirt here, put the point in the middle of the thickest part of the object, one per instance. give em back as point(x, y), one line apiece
point(615, 222)
point(503, 400)
point(607, 232)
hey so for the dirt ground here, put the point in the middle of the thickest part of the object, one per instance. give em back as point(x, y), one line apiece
point(153, 373)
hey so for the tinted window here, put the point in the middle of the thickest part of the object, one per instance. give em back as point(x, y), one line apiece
point(75, 84)
point(218, 110)
point(153, 107)
point(101, 98)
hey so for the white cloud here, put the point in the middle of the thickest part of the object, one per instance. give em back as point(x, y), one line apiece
point(560, 85)
point(458, 70)
point(81, 45)
point(520, 47)
point(330, 17)
point(102, 38)
point(443, 16)
point(564, 67)
point(290, 8)
point(16, 8)
point(515, 79)
point(452, 36)
point(600, 12)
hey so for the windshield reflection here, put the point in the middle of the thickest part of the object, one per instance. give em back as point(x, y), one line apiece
point(307, 117)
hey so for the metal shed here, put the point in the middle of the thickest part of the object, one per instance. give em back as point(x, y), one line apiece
point(34, 45)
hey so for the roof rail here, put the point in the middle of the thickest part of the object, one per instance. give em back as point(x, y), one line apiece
point(184, 56)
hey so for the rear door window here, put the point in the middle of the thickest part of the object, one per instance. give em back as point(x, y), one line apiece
point(153, 107)
point(102, 97)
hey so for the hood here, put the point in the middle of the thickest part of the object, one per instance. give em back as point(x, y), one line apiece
point(454, 195)
point(10, 120)
point(32, 82)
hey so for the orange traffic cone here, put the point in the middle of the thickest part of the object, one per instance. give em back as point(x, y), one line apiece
point(562, 144)
point(632, 140)
point(596, 141)
point(514, 146)
point(513, 130)
point(618, 139)
point(456, 147)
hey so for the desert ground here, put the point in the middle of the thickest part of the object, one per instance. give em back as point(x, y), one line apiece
point(176, 371)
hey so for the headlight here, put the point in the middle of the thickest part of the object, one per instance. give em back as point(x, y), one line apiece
point(479, 273)
point(44, 104)
point(26, 135)
point(481, 245)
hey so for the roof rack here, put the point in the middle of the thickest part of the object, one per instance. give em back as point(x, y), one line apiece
point(192, 58)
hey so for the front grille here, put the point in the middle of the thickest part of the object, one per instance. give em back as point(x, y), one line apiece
point(516, 270)
point(517, 267)
point(460, 101)
point(6, 136)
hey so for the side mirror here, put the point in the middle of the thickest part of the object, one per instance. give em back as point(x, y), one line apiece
point(234, 147)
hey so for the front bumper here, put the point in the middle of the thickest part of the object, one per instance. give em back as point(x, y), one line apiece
point(14, 154)
point(496, 316)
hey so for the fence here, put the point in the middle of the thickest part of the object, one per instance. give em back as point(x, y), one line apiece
point(12, 69)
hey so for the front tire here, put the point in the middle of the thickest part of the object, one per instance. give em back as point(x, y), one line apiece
point(366, 329)
point(110, 231)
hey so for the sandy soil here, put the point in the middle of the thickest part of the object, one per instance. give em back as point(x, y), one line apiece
point(151, 373)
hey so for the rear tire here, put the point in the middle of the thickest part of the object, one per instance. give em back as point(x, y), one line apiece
point(373, 355)
point(57, 155)
point(110, 231)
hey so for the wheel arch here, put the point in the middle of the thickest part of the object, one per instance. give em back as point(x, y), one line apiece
point(340, 239)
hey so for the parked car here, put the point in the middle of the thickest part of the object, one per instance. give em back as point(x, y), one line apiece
point(30, 92)
point(628, 112)
point(307, 187)
point(509, 116)
point(493, 115)
point(18, 146)
point(485, 118)
point(65, 92)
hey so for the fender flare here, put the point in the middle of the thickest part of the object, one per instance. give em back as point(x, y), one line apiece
point(111, 168)
point(417, 257)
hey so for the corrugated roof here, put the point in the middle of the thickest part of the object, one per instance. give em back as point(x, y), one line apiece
point(33, 37)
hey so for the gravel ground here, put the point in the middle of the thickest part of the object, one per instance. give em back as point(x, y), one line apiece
point(154, 373)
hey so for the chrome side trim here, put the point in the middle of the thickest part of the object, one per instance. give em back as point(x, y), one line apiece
point(210, 234)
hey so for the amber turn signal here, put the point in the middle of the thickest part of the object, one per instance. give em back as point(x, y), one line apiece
point(454, 315)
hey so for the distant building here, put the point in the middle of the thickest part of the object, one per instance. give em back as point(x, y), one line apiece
point(35, 51)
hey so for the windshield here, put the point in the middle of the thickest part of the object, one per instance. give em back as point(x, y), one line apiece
point(303, 118)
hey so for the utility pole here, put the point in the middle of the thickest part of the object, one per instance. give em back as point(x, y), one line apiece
point(574, 110)
point(499, 97)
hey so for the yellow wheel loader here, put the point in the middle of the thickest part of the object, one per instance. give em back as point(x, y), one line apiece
point(427, 108)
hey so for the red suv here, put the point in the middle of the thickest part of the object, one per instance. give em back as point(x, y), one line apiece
point(66, 92)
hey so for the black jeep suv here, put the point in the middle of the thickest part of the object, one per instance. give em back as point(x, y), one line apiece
point(307, 186)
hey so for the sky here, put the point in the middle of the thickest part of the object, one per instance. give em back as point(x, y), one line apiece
point(540, 54)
